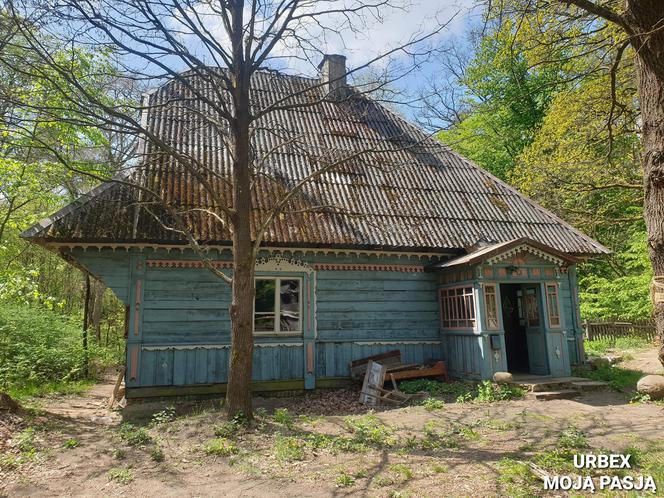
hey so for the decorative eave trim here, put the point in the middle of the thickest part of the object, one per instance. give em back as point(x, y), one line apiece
point(186, 263)
point(277, 250)
point(529, 249)
point(368, 267)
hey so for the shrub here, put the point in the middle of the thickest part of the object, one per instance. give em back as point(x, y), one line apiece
point(38, 346)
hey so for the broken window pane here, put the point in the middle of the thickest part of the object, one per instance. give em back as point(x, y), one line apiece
point(264, 305)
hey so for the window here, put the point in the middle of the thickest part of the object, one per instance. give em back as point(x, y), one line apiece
point(457, 307)
point(532, 309)
point(491, 307)
point(552, 305)
point(277, 306)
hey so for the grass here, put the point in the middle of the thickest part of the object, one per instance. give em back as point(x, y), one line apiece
point(220, 447)
point(71, 444)
point(601, 347)
point(134, 436)
point(24, 392)
point(157, 453)
point(282, 416)
point(288, 448)
point(121, 475)
point(461, 392)
point(431, 404)
point(515, 479)
point(619, 379)
point(369, 430)
point(345, 480)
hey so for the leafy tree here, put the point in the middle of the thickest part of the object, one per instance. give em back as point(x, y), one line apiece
point(505, 101)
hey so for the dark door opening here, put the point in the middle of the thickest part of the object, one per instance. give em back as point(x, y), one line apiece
point(516, 340)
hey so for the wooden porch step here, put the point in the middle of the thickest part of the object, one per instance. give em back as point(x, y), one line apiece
point(590, 385)
point(562, 394)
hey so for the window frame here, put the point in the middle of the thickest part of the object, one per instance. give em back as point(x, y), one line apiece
point(277, 307)
point(549, 308)
point(494, 298)
point(455, 311)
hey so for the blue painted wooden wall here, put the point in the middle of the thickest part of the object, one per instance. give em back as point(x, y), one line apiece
point(179, 333)
point(183, 330)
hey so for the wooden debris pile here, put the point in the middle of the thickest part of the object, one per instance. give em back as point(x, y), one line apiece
point(379, 368)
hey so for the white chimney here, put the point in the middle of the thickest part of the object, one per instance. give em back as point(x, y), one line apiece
point(333, 75)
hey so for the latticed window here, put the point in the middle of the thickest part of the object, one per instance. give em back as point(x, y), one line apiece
point(491, 307)
point(552, 305)
point(457, 307)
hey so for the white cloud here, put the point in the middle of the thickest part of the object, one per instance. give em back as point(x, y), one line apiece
point(365, 38)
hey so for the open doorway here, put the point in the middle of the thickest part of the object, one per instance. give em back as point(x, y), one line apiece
point(516, 339)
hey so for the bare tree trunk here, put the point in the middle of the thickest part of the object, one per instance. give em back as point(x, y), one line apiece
point(86, 322)
point(238, 394)
point(646, 17)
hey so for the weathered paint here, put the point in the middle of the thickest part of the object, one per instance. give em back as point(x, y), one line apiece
point(180, 329)
point(353, 306)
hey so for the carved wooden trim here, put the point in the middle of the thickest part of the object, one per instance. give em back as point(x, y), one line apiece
point(185, 263)
point(368, 267)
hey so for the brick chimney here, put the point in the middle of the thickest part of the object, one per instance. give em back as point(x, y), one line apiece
point(333, 73)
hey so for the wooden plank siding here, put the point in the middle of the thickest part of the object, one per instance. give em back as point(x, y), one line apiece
point(184, 324)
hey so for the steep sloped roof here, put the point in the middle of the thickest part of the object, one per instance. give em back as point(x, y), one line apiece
point(397, 188)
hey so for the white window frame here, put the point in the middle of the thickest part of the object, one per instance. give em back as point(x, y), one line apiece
point(277, 307)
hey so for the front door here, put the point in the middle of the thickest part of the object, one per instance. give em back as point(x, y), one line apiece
point(535, 330)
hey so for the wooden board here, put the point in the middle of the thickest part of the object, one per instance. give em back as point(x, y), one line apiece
point(359, 367)
point(373, 383)
point(438, 370)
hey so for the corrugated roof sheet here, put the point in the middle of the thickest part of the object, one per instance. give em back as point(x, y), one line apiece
point(400, 189)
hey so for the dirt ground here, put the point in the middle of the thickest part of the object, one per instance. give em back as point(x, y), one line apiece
point(455, 449)
point(644, 360)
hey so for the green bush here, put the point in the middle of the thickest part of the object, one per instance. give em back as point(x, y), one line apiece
point(41, 348)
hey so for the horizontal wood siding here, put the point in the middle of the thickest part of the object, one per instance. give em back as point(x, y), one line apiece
point(376, 305)
point(112, 268)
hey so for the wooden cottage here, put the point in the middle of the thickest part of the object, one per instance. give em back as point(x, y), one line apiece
point(413, 247)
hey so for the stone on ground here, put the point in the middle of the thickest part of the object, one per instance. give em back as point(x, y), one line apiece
point(652, 385)
point(502, 378)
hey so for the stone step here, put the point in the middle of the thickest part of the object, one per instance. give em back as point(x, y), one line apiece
point(590, 385)
point(562, 394)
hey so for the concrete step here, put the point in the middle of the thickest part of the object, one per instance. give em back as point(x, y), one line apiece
point(562, 394)
point(590, 385)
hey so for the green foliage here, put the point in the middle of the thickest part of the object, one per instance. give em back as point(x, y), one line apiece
point(369, 430)
point(488, 392)
point(288, 448)
point(71, 444)
point(515, 479)
point(627, 295)
point(26, 440)
point(463, 392)
point(134, 436)
point(508, 99)
point(165, 416)
point(282, 416)
point(600, 347)
point(157, 453)
point(121, 475)
point(345, 480)
point(220, 447)
point(620, 379)
point(41, 349)
point(573, 438)
point(227, 429)
point(432, 404)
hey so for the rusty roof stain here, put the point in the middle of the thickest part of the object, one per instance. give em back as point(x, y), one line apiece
point(409, 192)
